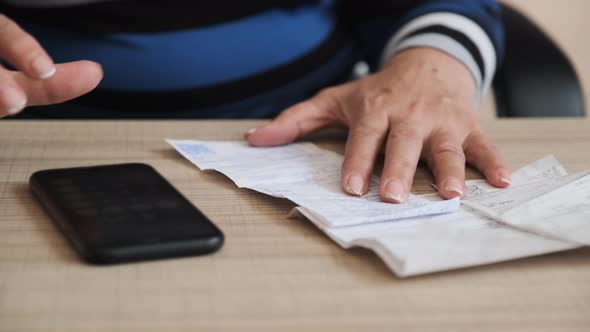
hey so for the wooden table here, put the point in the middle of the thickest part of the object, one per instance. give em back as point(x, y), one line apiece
point(273, 273)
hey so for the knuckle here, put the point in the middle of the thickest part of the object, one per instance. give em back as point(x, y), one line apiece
point(313, 104)
point(327, 95)
point(18, 43)
point(464, 121)
point(377, 99)
point(12, 98)
point(328, 99)
point(445, 148)
point(23, 47)
point(478, 142)
point(449, 108)
point(417, 108)
point(472, 122)
point(362, 132)
point(406, 133)
point(448, 103)
point(368, 127)
point(401, 166)
point(488, 147)
point(329, 92)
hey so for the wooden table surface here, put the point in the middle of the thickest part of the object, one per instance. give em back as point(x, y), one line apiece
point(273, 273)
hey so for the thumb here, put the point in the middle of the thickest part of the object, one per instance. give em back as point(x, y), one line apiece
point(70, 80)
point(296, 121)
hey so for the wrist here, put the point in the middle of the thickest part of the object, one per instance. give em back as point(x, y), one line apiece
point(436, 66)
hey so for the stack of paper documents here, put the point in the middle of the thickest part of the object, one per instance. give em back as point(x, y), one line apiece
point(544, 210)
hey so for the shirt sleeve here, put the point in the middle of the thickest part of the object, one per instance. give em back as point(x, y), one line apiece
point(469, 30)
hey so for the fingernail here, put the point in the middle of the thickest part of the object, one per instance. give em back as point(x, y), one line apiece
point(13, 99)
point(17, 108)
point(355, 185)
point(249, 132)
point(43, 67)
point(504, 176)
point(395, 190)
point(454, 185)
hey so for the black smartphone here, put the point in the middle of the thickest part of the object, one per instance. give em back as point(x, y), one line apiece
point(121, 213)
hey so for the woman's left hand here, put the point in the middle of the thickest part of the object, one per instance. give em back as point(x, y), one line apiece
point(421, 105)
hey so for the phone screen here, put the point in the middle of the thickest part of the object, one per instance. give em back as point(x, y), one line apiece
point(123, 212)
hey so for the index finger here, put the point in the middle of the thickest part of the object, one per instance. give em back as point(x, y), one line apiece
point(23, 51)
point(296, 121)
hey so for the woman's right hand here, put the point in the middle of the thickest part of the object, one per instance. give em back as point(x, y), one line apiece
point(38, 81)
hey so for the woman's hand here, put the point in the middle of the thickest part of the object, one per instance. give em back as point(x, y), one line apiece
point(38, 80)
point(421, 105)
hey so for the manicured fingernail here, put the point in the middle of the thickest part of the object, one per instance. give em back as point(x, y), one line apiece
point(504, 176)
point(395, 190)
point(17, 108)
point(454, 185)
point(251, 131)
point(43, 67)
point(355, 185)
point(14, 100)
